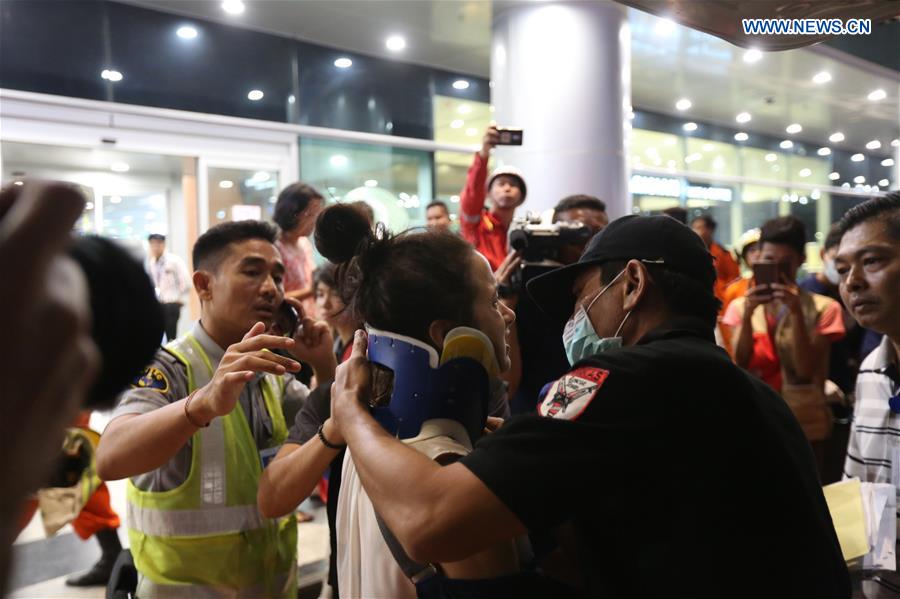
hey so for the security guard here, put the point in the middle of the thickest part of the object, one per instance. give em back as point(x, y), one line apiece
point(680, 474)
point(196, 430)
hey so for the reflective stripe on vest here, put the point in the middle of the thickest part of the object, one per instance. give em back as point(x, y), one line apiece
point(151, 590)
point(205, 521)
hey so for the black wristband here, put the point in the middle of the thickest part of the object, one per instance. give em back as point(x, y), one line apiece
point(325, 441)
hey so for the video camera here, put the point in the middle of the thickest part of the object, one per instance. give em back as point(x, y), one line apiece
point(542, 245)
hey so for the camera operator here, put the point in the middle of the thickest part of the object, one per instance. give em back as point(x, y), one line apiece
point(488, 229)
point(542, 362)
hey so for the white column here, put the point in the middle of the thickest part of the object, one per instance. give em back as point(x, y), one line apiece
point(562, 72)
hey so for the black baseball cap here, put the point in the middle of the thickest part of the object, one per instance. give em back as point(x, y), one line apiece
point(655, 239)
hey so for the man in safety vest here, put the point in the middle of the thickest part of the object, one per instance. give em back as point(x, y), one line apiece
point(196, 429)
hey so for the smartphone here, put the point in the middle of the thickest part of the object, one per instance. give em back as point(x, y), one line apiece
point(286, 320)
point(766, 273)
point(509, 136)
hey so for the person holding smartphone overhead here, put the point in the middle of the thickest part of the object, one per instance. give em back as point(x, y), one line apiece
point(488, 229)
point(783, 334)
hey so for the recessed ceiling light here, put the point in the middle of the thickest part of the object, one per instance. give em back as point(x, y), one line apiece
point(226, 184)
point(836, 137)
point(291, 99)
point(471, 131)
point(895, 143)
point(343, 63)
point(371, 183)
point(338, 160)
point(794, 128)
point(664, 27)
point(741, 136)
point(877, 95)
point(786, 144)
point(18, 183)
point(857, 158)
point(884, 183)
point(89, 206)
point(233, 7)
point(824, 151)
point(119, 167)
point(186, 32)
point(822, 77)
point(255, 95)
point(751, 56)
point(464, 109)
point(873, 145)
point(111, 75)
point(859, 179)
point(454, 199)
point(683, 104)
point(457, 123)
point(845, 185)
point(460, 84)
point(743, 117)
point(395, 43)
point(805, 172)
point(770, 157)
point(887, 162)
point(834, 176)
point(689, 126)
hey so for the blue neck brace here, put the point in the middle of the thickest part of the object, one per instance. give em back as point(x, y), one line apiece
point(424, 389)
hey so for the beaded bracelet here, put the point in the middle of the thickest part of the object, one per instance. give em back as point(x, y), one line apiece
point(325, 441)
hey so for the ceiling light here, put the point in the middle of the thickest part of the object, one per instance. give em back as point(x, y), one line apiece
point(291, 99)
point(770, 157)
point(834, 176)
point(845, 185)
point(836, 137)
point(822, 77)
point(460, 84)
point(371, 183)
point(741, 136)
point(857, 158)
point(343, 63)
point(794, 128)
point(89, 206)
point(186, 32)
point(119, 167)
point(859, 179)
point(824, 152)
point(743, 117)
point(233, 7)
point(338, 161)
point(454, 199)
point(395, 43)
point(887, 162)
point(786, 144)
point(689, 126)
point(895, 143)
point(664, 27)
point(751, 56)
point(18, 183)
point(111, 75)
point(457, 123)
point(873, 145)
point(464, 109)
point(260, 177)
point(816, 194)
point(877, 95)
point(472, 131)
point(884, 183)
point(255, 95)
point(805, 172)
point(683, 104)
point(226, 184)
point(115, 199)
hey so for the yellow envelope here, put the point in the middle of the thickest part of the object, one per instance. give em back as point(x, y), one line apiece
point(845, 504)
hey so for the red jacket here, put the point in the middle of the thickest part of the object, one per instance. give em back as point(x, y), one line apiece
point(478, 226)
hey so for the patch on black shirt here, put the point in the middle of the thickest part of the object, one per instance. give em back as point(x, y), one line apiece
point(570, 396)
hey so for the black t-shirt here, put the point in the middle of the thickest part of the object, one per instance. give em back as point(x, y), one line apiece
point(682, 476)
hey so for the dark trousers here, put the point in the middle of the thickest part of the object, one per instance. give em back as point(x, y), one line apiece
point(170, 319)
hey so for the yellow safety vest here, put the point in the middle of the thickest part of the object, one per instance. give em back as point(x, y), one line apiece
point(206, 537)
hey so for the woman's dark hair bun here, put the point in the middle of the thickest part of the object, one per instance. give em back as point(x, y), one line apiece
point(340, 230)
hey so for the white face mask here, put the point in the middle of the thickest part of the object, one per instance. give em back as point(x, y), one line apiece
point(579, 337)
point(831, 272)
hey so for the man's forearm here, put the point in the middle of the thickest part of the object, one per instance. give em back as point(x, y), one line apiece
point(292, 476)
point(137, 443)
point(805, 355)
point(743, 347)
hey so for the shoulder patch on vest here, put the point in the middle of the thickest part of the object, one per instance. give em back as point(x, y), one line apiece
point(152, 378)
point(570, 396)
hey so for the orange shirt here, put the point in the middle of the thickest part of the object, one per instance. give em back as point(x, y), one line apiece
point(726, 269)
point(477, 225)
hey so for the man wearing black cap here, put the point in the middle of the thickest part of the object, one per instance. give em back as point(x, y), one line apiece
point(671, 488)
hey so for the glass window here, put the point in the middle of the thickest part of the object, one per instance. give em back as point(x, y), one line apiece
point(759, 203)
point(763, 164)
point(236, 194)
point(131, 218)
point(396, 183)
point(705, 156)
point(656, 150)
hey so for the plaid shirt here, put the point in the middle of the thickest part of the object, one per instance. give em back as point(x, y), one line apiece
point(873, 453)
